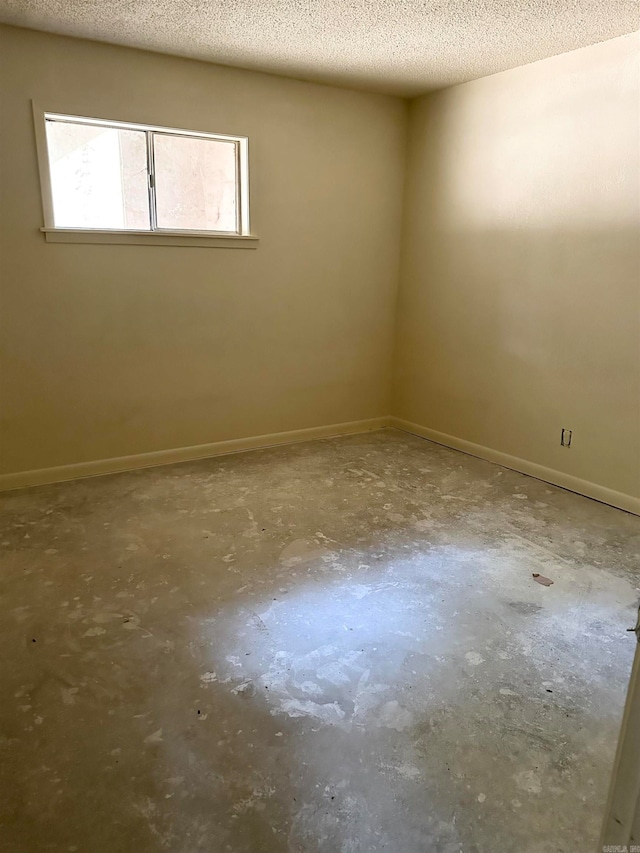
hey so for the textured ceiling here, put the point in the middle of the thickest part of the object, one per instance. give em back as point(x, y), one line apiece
point(405, 47)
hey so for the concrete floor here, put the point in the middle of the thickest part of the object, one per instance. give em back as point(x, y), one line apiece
point(331, 647)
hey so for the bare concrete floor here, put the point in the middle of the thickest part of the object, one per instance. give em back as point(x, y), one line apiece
point(332, 647)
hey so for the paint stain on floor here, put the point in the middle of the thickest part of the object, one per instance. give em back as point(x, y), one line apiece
point(332, 647)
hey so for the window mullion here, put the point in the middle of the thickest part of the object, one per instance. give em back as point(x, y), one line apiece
point(151, 182)
point(239, 193)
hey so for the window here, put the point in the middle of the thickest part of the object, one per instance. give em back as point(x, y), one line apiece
point(109, 181)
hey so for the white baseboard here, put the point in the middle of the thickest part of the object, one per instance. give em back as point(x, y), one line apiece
point(540, 472)
point(42, 476)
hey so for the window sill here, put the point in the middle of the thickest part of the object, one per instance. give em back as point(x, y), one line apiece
point(151, 238)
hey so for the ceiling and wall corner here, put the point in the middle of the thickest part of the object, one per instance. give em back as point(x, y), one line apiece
point(519, 307)
point(401, 47)
point(143, 346)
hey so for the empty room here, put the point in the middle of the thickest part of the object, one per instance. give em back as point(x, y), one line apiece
point(320, 426)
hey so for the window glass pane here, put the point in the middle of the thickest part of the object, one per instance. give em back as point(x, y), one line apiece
point(195, 183)
point(98, 176)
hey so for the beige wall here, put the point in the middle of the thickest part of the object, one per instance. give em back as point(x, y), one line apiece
point(117, 350)
point(519, 307)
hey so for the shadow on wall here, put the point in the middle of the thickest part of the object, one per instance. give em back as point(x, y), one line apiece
point(519, 306)
point(506, 338)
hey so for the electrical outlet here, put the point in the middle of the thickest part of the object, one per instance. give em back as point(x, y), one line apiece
point(565, 437)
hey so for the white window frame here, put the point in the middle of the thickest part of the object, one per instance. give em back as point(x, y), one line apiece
point(242, 238)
